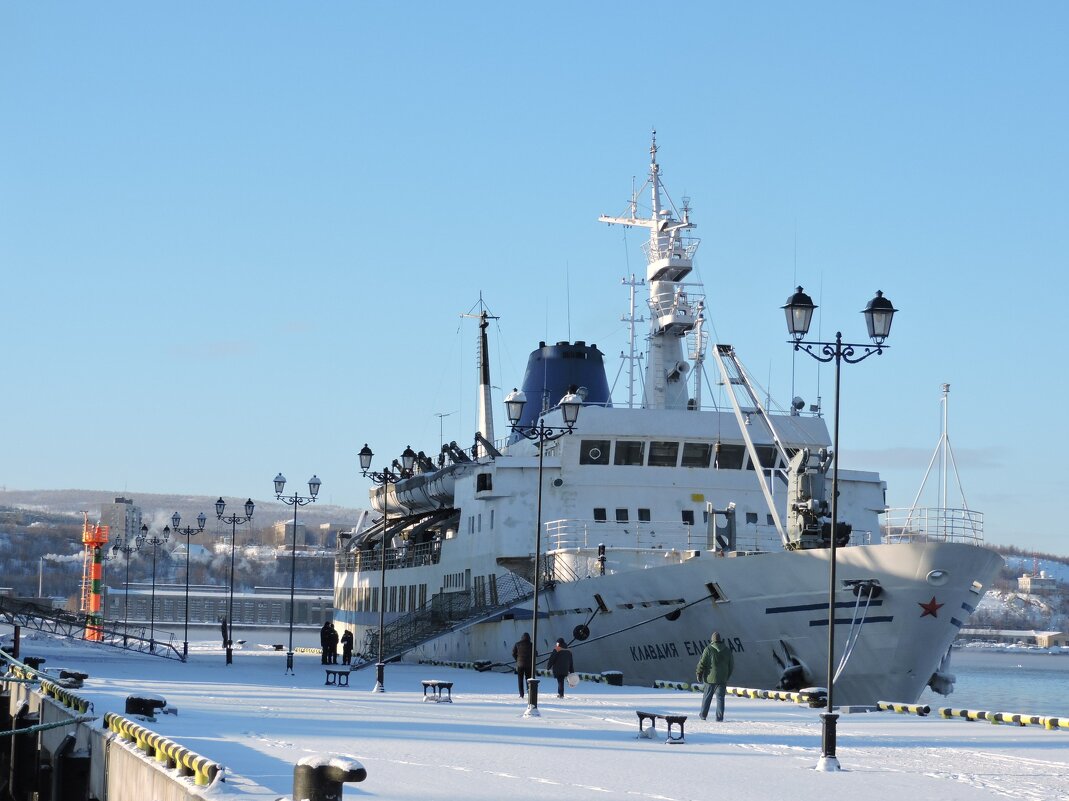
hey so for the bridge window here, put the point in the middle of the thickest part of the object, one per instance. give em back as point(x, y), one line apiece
point(628, 452)
point(594, 451)
point(696, 454)
point(729, 457)
point(663, 454)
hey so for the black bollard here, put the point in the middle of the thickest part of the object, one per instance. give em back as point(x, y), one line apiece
point(320, 778)
point(532, 699)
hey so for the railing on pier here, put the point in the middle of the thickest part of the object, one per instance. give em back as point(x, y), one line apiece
point(935, 524)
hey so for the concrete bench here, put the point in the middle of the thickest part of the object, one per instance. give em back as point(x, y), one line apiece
point(339, 678)
point(669, 718)
point(436, 686)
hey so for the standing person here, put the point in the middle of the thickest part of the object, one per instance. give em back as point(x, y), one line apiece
point(560, 664)
point(714, 669)
point(226, 633)
point(324, 641)
point(347, 647)
point(521, 652)
point(332, 644)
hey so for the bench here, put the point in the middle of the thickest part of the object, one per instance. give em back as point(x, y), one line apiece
point(669, 718)
point(339, 678)
point(436, 686)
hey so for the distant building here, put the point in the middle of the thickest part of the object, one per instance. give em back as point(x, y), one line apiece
point(123, 519)
point(325, 535)
point(1044, 639)
point(265, 606)
point(1037, 585)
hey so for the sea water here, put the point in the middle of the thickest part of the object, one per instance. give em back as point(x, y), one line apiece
point(1026, 681)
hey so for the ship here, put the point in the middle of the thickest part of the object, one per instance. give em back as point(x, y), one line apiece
point(634, 529)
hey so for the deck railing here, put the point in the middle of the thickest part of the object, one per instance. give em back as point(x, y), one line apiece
point(934, 525)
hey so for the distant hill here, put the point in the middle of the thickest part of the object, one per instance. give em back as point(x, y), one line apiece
point(160, 507)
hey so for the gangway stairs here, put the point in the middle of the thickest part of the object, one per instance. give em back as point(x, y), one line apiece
point(28, 614)
point(443, 614)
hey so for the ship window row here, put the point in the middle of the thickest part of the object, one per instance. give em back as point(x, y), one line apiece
point(671, 453)
point(402, 598)
point(601, 515)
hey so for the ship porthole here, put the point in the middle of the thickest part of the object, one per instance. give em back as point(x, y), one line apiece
point(558, 482)
point(594, 454)
point(937, 578)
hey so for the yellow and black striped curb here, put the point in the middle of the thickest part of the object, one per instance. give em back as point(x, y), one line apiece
point(174, 756)
point(904, 709)
point(65, 697)
point(810, 699)
point(1046, 721)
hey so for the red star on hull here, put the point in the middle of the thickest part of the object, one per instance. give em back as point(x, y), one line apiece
point(930, 608)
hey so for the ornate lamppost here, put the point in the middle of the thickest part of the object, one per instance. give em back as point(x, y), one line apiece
point(878, 315)
point(540, 433)
point(234, 521)
point(155, 541)
point(176, 519)
point(384, 478)
point(295, 501)
point(124, 547)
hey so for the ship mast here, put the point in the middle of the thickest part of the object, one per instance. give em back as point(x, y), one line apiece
point(486, 409)
point(669, 259)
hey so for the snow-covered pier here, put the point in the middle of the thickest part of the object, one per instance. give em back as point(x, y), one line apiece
point(259, 723)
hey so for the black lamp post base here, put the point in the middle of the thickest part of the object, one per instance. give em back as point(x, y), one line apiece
point(289, 663)
point(185, 650)
point(532, 700)
point(229, 655)
point(380, 678)
point(828, 761)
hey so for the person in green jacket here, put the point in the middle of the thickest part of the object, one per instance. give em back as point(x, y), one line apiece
point(714, 670)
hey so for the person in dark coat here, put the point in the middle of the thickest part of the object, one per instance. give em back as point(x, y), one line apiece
point(347, 647)
point(560, 664)
point(324, 641)
point(226, 634)
point(521, 652)
point(332, 645)
point(714, 669)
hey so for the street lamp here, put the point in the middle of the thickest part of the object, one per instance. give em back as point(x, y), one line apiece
point(124, 547)
point(540, 433)
point(234, 521)
point(878, 315)
point(189, 532)
point(155, 541)
point(383, 479)
point(294, 501)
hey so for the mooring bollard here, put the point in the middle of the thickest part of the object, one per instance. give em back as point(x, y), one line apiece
point(320, 777)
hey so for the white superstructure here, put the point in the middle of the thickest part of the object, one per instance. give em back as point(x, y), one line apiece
point(661, 523)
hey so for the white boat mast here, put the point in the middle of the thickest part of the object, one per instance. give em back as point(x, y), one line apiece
point(632, 358)
point(486, 408)
point(669, 259)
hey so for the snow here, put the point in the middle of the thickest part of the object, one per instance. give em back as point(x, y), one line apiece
point(259, 723)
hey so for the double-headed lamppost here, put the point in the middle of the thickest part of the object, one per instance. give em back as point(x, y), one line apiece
point(384, 479)
point(540, 433)
point(124, 547)
point(294, 501)
point(155, 541)
point(234, 521)
point(878, 315)
point(189, 532)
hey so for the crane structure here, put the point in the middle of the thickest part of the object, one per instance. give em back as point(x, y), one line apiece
point(94, 538)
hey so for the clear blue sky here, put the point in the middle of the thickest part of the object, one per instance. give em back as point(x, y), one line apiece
point(237, 238)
